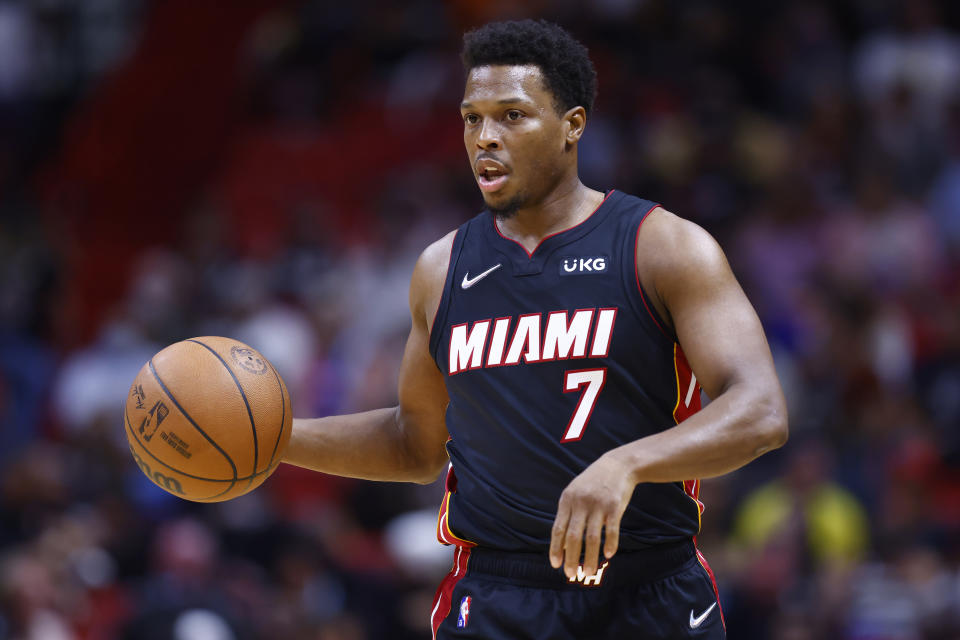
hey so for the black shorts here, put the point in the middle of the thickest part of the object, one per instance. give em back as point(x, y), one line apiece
point(662, 593)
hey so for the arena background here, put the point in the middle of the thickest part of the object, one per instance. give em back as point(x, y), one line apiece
point(269, 170)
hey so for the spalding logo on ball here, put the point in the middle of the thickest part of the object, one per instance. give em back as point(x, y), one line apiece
point(208, 419)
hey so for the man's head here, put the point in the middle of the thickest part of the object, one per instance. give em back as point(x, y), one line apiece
point(529, 89)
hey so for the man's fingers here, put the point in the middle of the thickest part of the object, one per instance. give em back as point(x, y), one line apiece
point(591, 550)
point(558, 535)
point(611, 535)
point(572, 543)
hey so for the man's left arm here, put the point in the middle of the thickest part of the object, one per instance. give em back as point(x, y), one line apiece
point(724, 343)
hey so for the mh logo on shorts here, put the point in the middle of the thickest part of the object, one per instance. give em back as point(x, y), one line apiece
point(589, 581)
point(571, 265)
point(464, 616)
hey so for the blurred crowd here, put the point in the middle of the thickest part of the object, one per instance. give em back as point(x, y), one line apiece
point(173, 169)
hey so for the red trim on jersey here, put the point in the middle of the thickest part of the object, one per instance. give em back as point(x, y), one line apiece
point(687, 387)
point(692, 489)
point(636, 273)
point(442, 600)
point(436, 312)
point(703, 563)
point(545, 238)
point(688, 399)
point(445, 534)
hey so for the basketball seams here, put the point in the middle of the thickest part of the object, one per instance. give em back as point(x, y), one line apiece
point(243, 394)
point(186, 415)
point(283, 415)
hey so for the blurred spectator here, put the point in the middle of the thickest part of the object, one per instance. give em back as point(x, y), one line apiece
point(16, 33)
point(884, 242)
point(805, 509)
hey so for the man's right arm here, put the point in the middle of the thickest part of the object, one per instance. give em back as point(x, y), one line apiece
point(402, 443)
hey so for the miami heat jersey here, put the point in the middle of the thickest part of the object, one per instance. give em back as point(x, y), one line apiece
point(551, 359)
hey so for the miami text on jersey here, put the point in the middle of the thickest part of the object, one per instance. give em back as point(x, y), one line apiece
point(498, 342)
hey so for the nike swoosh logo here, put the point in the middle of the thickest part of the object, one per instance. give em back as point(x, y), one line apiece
point(696, 622)
point(469, 282)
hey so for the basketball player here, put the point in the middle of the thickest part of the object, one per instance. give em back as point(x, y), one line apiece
point(559, 343)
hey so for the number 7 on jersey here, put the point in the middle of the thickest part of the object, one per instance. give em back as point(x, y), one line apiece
point(594, 380)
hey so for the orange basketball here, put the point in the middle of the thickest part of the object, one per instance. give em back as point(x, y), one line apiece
point(208, 419)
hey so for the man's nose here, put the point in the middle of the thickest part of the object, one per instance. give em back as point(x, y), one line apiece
point(489, 136)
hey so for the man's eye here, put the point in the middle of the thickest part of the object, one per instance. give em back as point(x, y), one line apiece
point(471, 118)
point(513, 114)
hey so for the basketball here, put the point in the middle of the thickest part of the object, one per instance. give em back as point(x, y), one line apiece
point(208, 419)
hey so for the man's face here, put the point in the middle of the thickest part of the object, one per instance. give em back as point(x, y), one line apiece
point(515, 139)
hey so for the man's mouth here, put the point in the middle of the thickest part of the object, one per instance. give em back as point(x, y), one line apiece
point(491, 180)
point(491, 175)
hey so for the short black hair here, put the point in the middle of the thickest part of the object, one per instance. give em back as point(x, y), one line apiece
point(564, 62)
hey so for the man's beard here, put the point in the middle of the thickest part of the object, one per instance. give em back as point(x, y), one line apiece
point(508, 209)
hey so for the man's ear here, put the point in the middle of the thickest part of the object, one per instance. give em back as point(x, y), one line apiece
point(574, 122)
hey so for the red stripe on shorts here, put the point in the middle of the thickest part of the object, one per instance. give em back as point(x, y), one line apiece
point(716, 592)
point(442, 599)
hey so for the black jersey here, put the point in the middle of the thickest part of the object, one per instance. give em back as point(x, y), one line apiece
point(551, 359)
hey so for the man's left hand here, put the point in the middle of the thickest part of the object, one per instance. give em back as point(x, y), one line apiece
point(592, 503)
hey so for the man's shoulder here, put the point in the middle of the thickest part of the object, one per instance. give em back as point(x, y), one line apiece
point(669, 237)
point(674, 253)
point(431, 268)
point(430, 274)
point(436, 256)
point(437, 253)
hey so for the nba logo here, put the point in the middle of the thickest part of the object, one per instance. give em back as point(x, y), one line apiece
point(464, 612)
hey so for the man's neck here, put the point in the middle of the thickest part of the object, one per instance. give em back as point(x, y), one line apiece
point(562, 209)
